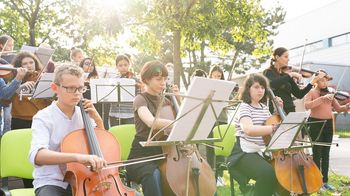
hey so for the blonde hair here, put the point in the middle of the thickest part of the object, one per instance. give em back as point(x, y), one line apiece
point(74, 51)
point(67, 69)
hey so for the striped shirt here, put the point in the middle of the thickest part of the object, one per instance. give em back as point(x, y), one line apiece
point(251, 144)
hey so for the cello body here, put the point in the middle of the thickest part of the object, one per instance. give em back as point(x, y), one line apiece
point(296, 172)
point(185, 172)
point(84, 181)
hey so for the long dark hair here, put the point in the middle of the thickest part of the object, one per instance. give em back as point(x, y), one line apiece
point(216, 68)
point(17, 61)
point(277, 52)
point(251, 79)
point(94, 72)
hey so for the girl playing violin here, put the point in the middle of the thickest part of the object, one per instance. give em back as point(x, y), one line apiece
point(153, 75)
point(122, 113)
point(89, 68)
point(246, 156)
point(52, 124)
point(321, 106)
point(23, 108)
point(282, 83)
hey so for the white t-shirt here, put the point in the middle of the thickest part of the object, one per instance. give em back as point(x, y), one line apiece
point(251, 144)
point(49, 127)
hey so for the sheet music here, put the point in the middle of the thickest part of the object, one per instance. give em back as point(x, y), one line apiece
point(200, 88)
point(106, 90)
point(44, 54)
point(43, 89)
point(287, 131)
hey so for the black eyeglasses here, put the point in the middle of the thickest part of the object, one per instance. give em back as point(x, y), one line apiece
point(87, 63)
point(70, 89)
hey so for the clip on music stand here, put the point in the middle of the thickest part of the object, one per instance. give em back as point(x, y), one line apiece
point(197, 114)
point(287, 132)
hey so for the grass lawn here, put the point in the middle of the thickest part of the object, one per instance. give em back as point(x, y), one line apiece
point(341, 183)
point(343, 133)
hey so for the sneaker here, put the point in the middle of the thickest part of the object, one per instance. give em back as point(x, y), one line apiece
point(220, 181)
point(327, 187)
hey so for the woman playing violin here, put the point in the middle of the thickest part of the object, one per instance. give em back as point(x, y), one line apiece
point(23, 108)
point(90, 72)
point(153, 75)
point(246, 156)
point(282, 83)
point(52, 124)
point(321, 106)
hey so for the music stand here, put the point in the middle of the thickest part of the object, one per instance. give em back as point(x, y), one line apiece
point(198, 112)
point(43, 53)
point(287, 132)
point(112, 90)
point(42, 88)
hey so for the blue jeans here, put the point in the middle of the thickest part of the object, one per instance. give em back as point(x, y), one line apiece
point(152, 184)
point(6, 117)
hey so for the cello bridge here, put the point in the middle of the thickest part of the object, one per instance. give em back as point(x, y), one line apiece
point(102, 186)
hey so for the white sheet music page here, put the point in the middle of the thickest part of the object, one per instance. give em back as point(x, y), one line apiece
point(200, 88)
point(107, 90)
point(287, 131)
point(43, 88)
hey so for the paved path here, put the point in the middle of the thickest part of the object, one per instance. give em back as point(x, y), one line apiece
point(340, 157)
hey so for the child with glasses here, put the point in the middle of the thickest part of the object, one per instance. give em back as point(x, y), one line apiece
point(52, 124)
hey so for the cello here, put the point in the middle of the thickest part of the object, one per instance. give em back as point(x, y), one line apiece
point(89, 141)
point(184, 171)
point(296, 172)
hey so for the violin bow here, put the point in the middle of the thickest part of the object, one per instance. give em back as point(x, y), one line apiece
point(302, 57)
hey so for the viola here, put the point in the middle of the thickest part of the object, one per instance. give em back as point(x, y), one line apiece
point(296, 172)
point(7, 71)
point(100, 143)
point(339, 95)
point(306, 73)
point(184, 172)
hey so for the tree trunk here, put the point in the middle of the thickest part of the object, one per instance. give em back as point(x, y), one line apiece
point(233, 64)
point(177, 57)
point(202, 53)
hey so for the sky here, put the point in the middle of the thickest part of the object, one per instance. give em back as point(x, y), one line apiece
point(295, 8)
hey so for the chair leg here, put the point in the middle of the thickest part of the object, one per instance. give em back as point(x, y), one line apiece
point(232, 185)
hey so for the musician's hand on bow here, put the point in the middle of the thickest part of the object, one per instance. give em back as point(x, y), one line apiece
point(94, 161)
point(279, 101)
point(21, 72)
point(26, 87)
point(319, 76)
point(296, 75)
point(176, 91)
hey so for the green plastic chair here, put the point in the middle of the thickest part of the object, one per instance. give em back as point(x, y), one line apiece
point(125, 135)
point(227, 143)
point(14, 159)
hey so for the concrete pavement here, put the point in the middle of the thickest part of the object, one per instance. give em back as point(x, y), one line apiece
point(340, 157)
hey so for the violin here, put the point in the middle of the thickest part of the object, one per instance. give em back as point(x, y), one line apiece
point(100, 143)
point(296, 172)
point(184, 172)
point(306, 73)
point(7, 71)
point(339, 95)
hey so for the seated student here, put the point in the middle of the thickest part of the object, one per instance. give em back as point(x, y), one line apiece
point(153, 75)
point(246, 156)
point(52, 124)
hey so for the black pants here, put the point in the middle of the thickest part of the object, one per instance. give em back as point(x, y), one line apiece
point(255, 167)
point(18, 123)
point(321, 153)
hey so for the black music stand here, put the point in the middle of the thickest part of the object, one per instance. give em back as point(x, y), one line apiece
point(112, 90)
point(285, 136)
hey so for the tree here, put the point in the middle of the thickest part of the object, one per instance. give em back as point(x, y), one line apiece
point(33, 19)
